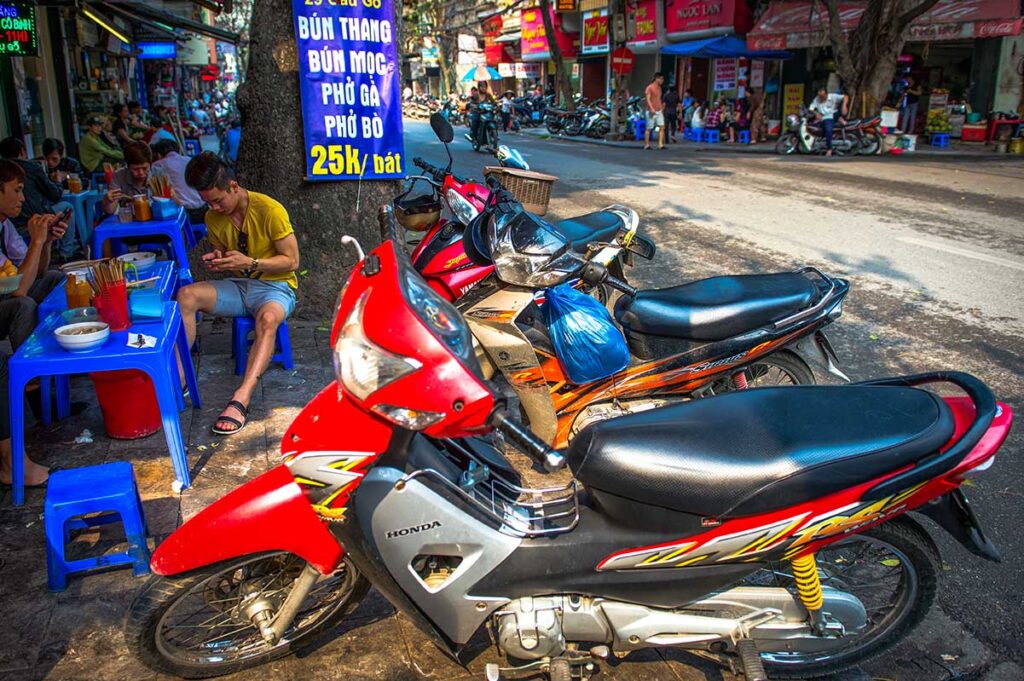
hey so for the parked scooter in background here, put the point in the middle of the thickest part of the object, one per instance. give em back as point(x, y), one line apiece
point(805, 136)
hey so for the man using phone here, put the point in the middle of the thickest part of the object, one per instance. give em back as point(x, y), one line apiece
point(18, 316)
point(253, 241)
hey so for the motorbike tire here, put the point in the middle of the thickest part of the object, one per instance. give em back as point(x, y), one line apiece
point(574, 128)
point(920, 566)
point(553, 128)
point(492, 139)
point(160, 594)
point(870, 144)
point(786, 145)
point(785, 363)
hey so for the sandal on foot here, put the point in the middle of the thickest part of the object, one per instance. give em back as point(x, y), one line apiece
point(242, 409)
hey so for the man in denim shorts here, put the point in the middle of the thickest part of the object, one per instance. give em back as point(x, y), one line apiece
point(252, 238)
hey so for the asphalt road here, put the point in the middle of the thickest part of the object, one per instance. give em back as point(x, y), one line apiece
point(934, 248)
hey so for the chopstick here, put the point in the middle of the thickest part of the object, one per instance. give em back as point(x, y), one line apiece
point(140, 282)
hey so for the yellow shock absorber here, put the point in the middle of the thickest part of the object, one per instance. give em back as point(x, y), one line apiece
point(808, 586)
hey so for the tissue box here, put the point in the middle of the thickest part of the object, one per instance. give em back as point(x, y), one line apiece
point(164, 209)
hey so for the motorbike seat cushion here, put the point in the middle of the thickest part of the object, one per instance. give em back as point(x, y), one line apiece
point(760, 450)
point(716, 308)
point(601, 226)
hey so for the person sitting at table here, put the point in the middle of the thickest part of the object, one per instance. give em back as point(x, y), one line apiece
point(57, 163)
point(42, 196)
point(173, 164)
point(252, 238)
point(18, 309)
point(131, 180)
point(94, 149)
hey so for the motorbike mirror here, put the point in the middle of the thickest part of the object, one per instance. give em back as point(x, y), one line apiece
point(442, 128)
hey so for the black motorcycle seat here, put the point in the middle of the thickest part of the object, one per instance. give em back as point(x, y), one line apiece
point(716, 308)
point(760, 450)
point(599, 226)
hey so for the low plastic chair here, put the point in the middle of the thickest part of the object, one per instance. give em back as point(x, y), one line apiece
point(939, 139)
point(107, 494)
point(744, 137)
point(712, 136)
point(639, 128)
point(240, 330)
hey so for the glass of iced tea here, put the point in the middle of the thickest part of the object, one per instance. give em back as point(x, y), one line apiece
point(74, 183)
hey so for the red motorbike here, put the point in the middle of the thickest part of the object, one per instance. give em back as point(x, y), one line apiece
point(768, 526)
point(443, 213)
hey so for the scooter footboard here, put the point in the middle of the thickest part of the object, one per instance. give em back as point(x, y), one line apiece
point(269, 513)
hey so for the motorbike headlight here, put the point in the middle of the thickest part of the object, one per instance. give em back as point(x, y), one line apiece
point(361, 366)
point(528, 252)
point(461, 208)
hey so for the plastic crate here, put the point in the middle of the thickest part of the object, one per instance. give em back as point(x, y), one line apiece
point(531, 189)
point(973, 133)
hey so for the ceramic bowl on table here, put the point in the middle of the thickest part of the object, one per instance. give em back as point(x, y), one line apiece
point(143, 260)
point(78, 315)
point(82, 336)
point(9, 284)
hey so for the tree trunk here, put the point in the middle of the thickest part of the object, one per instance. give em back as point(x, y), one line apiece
point(562, 83)
point(272, 160)
point(867, 57)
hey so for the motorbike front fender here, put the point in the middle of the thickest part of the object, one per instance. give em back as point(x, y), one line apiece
point(269, 513)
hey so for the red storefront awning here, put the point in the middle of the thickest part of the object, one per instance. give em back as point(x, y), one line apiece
point(804, 23)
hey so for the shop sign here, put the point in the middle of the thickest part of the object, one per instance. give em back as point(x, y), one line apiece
point(687, 16)
point(506, 70)
point(792, 98)
point(725, 74)
point(430, 55)
point(1000, 27)
point(493, 50)
point(527, 71)
point(566, 5)
point(157, 50)
point(757, 73)
point(194, 52)
point(534, 41)
point(595, 32)
point(622, 61)
point(349, 82)
point(18, 36)
point(645, 23)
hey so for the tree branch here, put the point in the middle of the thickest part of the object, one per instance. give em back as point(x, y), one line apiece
point(913, 13)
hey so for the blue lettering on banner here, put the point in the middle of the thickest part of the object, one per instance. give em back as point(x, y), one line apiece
point(351, 94)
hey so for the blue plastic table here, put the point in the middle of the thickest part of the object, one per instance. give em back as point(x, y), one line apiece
point(113, 229)
point(83, 204)
point(41, 356)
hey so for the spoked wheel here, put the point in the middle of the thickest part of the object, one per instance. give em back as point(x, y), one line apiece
point(890, 568)
point(198, 625)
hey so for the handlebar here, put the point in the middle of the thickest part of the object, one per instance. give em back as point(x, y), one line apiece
point(595, 273)
point(524, 439)
point(432, 170)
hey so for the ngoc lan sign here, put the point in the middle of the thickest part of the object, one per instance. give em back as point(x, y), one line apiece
point(349, 81)
point(18, 29)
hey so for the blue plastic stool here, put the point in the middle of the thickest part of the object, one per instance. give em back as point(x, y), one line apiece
point(712, 136)
point(939, 139)
point(693, 134)
point(744, 137)
point(639, 128)
point(240, 330)
point(109, 490)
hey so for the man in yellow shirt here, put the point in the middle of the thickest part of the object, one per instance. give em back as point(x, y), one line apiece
point(252, 238)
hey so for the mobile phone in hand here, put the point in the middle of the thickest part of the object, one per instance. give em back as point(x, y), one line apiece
point(65, 216)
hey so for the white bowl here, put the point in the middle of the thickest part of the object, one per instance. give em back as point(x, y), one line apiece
point(143, 260)
point(9, 284)
point(82, 342)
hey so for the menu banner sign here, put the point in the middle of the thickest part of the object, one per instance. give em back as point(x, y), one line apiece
point(566, 5)
point(595, 32)
point(792, 98)
point(18, 37)
point(725, 74)
point(349, 82)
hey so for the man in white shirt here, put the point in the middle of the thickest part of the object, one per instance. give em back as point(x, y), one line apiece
point(172, 164)
point(827, 107)
point(18, 309)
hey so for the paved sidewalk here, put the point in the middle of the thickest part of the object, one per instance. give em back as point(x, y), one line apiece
point(955, 150)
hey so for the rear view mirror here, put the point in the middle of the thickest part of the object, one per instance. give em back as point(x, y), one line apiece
point(442, 128)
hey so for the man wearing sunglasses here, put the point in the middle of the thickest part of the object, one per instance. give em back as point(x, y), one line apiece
point(253, 241)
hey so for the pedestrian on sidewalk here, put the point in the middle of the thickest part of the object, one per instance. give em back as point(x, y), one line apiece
point(908, 112)
point(655, 111)
point(673, 109)
point(758, 132)
point(506, 111)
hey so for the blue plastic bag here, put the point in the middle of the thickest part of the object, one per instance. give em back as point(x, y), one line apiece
point(588, 343)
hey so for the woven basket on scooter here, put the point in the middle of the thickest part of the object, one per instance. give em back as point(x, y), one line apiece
point(531, 189)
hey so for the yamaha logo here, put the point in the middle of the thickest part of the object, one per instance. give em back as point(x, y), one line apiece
point(415, 529)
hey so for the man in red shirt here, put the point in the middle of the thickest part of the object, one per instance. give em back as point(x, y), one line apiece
point(655, 111)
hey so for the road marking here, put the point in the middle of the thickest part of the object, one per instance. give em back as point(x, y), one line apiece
point(927, 243)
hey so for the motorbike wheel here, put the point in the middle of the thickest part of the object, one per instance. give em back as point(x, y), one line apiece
point(574, 128)
point(870, 144)
point(492, 139)
point(786, 145)
point(161, 626)
point(553, 127)
point(782, 368)
point(891, 568)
